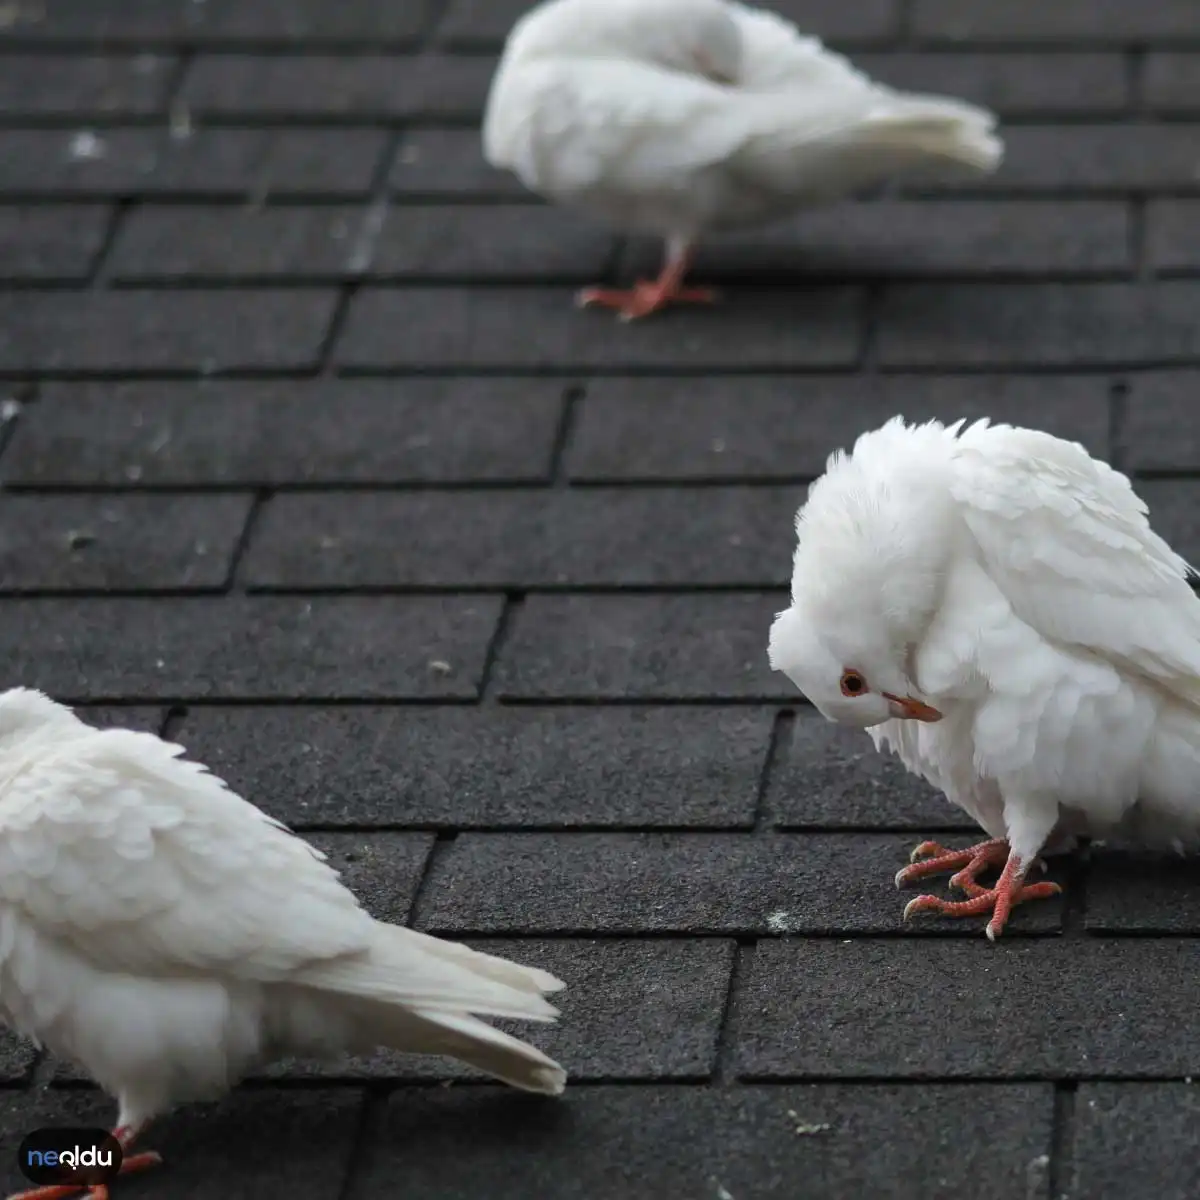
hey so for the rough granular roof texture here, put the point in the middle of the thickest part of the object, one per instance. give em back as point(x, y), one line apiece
point(308, 462)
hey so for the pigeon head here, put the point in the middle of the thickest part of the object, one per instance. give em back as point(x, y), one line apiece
point(874, 540)
point(694, 37)
point(851, 675)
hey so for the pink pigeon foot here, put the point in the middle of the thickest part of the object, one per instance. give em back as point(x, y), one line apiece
point(645, 297)
point(650, 295)
point(1009, 890)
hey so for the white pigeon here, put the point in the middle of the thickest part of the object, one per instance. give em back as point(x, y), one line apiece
point(168, 937)
point(992, 604)
point(679, 117)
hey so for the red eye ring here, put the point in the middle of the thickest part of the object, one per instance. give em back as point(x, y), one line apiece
point(853, 684)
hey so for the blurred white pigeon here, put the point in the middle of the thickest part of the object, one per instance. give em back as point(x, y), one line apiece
point(169, 937)
point(678, 117)
point(992, 604)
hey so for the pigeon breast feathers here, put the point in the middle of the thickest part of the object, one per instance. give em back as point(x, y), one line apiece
point(151, 866)
point(1068, 542)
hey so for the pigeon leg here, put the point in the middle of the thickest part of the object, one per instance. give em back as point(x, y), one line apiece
point(1009, 891)
point(649, 295)
point(130, 1164)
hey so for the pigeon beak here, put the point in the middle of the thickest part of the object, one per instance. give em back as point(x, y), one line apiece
point(909, 708)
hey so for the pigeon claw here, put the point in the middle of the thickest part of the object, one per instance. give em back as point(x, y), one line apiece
point(1009, 891)
point(645, 297)
point(932, 858)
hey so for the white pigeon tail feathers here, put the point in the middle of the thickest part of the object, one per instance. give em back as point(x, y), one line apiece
point(929, 128)
point(422, 996)
point(403, 966)
point(473, 1042)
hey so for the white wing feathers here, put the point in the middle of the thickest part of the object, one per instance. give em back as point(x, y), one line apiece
point(1068, 542)
point(145, 863)
point(150, 865)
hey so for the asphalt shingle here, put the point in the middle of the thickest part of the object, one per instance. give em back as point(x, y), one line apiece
point(1138, 157)
point(671, 883)
point(1070, 22)
point(156, 331)
point(218, 243)
point(641, 647)
point(1175, 512)
point(523, 328)
point(62, 85)
point(449, 164)
point(491, 242)
point(1012, 85)
point(1171, 82)
point(1159, 433)
point(1135, 1139)
point(1172, 242)
point(453, 767)
point(1040, 325)
point(840, 1141)
point(535, 539)
point(250, 648)
point(488, 582)
point(226, 433)
point(784, 427)
point(51, 244)
point(119, 543)
point(915, 238)
point(963, 1008)
point(826, 776)
point(317, 22)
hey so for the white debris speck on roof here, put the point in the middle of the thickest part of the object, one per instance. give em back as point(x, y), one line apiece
point(85, 146)
point(363, 250)
point(10, 410)
point(181, 122)
point(779, 921)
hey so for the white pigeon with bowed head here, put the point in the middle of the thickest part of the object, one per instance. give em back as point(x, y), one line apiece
point(991, 603)
point(169, 937)
point(680, 117)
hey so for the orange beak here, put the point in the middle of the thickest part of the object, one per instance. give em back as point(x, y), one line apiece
point(913, 709)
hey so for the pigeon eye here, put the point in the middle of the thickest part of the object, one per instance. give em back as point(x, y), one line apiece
point(853, 684)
